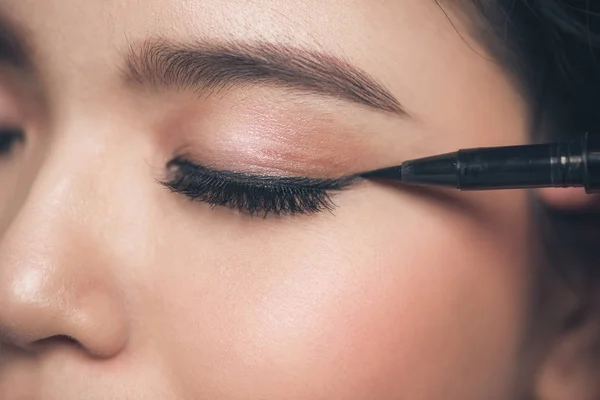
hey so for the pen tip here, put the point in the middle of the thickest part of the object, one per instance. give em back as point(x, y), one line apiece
point(394, 173)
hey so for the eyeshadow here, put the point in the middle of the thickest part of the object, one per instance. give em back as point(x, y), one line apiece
point(263, 138)
point(262, 133)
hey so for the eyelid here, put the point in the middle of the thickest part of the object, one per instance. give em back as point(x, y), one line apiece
point(10, 111)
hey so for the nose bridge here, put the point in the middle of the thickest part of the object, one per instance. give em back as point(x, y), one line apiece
point(56, 212)
point(56, 267)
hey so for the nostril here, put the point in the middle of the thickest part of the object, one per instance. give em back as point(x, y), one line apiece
point(64, 340)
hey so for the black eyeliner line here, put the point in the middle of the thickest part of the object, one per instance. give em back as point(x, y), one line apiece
point(245, 179)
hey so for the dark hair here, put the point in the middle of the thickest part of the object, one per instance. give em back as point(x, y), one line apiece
point(552, 49)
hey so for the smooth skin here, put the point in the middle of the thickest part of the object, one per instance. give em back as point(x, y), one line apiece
point(112, 287)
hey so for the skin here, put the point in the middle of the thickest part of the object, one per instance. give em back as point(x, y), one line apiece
point(401, 293)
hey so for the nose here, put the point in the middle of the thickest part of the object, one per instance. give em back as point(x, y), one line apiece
point(56, 283)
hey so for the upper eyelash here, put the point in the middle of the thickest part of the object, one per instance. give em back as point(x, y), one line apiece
point(253, 194)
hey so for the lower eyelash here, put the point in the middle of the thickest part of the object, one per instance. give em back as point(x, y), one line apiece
point(251, 194)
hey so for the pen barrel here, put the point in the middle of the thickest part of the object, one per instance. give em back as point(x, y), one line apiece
point(540, 165)
point(567, 164)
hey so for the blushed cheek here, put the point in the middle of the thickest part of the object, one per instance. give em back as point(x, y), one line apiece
point(354, 316)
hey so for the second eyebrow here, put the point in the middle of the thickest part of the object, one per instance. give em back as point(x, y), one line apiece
point(215, 66)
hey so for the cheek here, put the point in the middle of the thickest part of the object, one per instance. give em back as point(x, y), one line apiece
point(404, 300)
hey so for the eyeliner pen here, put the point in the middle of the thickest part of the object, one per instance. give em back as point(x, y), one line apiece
point(561, 164)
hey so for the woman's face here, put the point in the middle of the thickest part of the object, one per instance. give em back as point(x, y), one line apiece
point(114, 286)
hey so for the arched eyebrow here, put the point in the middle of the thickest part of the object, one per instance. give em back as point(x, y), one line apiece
point(15, 50)
point(205, 66)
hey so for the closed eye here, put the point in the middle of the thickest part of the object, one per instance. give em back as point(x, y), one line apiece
point(9, 139)
point(254, 194)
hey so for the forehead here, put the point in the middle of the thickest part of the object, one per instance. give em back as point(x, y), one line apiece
point(312, 21)
point(410, 35)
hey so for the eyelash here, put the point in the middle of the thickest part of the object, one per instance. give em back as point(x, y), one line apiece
point(253, 194)
point(9, 138)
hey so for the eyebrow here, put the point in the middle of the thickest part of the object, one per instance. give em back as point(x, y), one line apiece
point(207, 66)
point(14, 49)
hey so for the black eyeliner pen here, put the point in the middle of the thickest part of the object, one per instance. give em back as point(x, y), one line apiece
point(562, 164)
